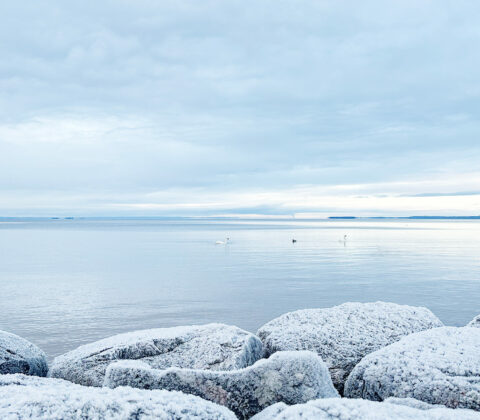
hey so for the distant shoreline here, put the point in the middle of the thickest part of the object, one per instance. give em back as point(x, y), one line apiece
point(213, 218)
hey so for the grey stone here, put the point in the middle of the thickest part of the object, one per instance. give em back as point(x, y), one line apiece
point(439, 366)
point(27, 397)
point(289, 377)
point(344, 334)
point(212, 346)
point(475, 322)
point(18, 355)
point(348, 409)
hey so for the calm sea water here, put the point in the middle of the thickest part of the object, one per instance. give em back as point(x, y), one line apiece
point(64, 283)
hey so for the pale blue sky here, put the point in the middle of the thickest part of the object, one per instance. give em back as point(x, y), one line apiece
point(228, 107)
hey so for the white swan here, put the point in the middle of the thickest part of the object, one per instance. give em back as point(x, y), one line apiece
point(225, 242)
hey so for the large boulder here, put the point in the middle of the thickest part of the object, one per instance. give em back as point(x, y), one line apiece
point(27, 397)
point(212, 346)
point(439, 366)
point(475, 322)
point(346, 409)
point(289, 377)
point(18, 355)
point(344, 334)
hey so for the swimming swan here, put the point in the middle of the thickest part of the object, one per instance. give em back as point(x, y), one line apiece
point(225, 242)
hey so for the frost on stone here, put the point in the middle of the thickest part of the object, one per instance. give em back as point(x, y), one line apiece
point(350, 409)
point(212, 346)
point(439, 366)
point(27, 397)
point(18, 355)
point(412, 402)
point(475, 322)
point(289, 377)
point(344, 334)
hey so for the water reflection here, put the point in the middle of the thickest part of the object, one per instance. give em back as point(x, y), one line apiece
point(69, 282)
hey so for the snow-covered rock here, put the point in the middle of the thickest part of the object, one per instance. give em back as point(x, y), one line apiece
point(412, 402)
point(290, 377)
point(438, 366)
point(344, 334)
point(475, 322)
point(18, 355)
point(27, 397)
point(211, 346)
point(347, 409)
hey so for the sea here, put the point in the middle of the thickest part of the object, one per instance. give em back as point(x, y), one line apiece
point(65, 282)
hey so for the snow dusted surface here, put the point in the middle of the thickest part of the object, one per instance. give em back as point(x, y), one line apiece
point(439, 366)
point(475, 322)
point(27, 397)
point(212, 346)
point(412, 402)
point(290, 377)
point(344, 334)
point(18, 355)
point(347, 409)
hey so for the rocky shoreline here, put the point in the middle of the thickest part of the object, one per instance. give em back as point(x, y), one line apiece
point(352, 361)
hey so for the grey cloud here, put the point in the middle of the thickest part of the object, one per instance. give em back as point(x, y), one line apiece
point(229, 95)
point(447, 194)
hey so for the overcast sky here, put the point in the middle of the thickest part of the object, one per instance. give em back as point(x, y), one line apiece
point(146, 107)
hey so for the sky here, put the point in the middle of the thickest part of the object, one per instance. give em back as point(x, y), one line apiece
point(272, 107)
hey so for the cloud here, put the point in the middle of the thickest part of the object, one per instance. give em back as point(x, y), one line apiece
point(253, 100)
point(448, 194)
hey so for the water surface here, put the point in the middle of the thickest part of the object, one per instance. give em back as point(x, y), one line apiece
point(68, 282)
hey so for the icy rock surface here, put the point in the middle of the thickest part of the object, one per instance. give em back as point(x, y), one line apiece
point(28, 397)
point(344, 334)
point(290, 377)
point(475, 322)
point(18, 355)
point(211, 346)
point(439, 366)
point(412, 402)
point(347, 409)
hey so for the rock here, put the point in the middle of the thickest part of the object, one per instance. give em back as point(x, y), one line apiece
point(412, 402)
point(475, 322)
point(290, 377)
point(347, 409)
point(18, 355)
point(438, 366)
point(344, 334)
point(27, 397)
point(212, 346)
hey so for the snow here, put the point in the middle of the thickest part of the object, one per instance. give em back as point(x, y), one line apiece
point(18, 355)
point(211, 346)
point(475, 322)
point(290, 377)
point(438, 366)
point(412, 402)
point(348, 409)
point(26, 397)
point(344, 334)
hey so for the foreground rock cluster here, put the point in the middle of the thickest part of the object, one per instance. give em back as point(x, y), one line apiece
point(344, 334)
point(289, 377)
point(386, 360)
point(28, 397)
point(17, 355)
point(348, 409)
point(212, 347)
point(439, 366)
